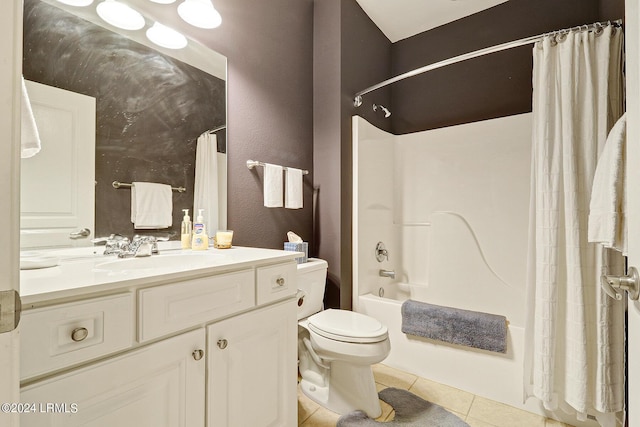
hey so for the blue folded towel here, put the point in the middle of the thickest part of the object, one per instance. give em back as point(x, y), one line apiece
point(463, 327)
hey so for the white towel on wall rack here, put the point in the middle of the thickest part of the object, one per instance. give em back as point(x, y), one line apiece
point(273, 186)
point(151, 205)
point(293, 194)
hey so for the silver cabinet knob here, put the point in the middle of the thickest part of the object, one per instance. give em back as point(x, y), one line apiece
point(79, 334)
point(197, 354)
point(280, 281)
point(222, 344)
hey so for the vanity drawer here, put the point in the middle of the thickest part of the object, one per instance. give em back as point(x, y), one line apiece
point(171, 308)
point(63, 335)
point(276, 282)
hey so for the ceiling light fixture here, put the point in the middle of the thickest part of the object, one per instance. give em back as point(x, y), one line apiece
point(79, 3)
point(200, 13)
point(163, 1)
point(120, 15)
point(166, 37)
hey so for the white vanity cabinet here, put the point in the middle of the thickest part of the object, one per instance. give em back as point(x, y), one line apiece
point(252, 358)
point(153, 386)
point(213, 346)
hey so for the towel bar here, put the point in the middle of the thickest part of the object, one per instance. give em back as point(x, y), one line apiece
point(253, 163)
point(117, 184)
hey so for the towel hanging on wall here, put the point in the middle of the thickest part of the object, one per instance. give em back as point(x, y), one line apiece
point(293, 194)
point(273, 186)
point(30, 139)
point(151, 205)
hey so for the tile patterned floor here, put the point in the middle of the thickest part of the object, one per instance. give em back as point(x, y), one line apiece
point(475, 410)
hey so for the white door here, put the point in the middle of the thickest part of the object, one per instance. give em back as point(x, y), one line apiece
point(252, 358)
point(10, 68)
point(632, 41)
point(58, 183)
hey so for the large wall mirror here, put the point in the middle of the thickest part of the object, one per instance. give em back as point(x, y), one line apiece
point(151, 106)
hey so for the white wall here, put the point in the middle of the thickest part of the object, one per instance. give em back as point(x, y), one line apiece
point(473, 259)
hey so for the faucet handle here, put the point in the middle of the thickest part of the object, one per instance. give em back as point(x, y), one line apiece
point(114, 244)
point(381, 252)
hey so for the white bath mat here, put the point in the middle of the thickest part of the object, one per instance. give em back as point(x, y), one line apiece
point(411, 411)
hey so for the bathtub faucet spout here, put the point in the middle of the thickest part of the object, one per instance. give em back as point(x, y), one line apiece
point(388, 273)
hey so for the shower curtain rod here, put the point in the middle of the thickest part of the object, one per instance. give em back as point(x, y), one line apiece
point(357, 100)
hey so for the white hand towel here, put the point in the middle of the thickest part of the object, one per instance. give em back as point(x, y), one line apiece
point(151, 205)
point(272, 186)
point(30, 140)
point(607, 210)
point(293, 195)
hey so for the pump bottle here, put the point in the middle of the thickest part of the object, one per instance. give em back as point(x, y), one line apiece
point(185, 232)
point(200, 240)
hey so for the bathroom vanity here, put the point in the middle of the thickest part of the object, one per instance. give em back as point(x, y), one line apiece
point(177, 339)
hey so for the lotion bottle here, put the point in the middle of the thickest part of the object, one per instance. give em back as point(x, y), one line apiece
point(200, 241)
point(186, 230)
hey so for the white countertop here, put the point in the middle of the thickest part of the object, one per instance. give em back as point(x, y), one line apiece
point(85, 271)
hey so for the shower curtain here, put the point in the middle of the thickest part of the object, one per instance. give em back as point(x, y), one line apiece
point(205, 193)
point(574, 333)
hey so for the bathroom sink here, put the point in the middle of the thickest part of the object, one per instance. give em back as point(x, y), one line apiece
point(176, 261)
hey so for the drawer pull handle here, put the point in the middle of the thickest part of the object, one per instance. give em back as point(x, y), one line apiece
point(222, 344)
point(280, 281)
point(79, 334)
point(198, 354)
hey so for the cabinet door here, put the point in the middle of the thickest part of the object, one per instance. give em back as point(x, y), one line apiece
point(252, 364)
point(158, 385)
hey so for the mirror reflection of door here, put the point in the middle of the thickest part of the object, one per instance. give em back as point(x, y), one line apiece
point(58, 183)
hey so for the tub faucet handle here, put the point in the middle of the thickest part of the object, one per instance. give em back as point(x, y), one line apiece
point(381, 252)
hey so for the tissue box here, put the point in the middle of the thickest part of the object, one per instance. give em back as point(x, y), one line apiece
point(298, 247)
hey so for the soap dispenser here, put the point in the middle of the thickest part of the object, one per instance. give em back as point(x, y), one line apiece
point(200, 239)
point(186, 230)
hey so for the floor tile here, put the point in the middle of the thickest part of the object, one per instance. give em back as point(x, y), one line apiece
point(448, 397)
point(501, 415)
point(477, 423)
point(306, 406)
point(321, 418)
point(553, 423)
point(392, 377)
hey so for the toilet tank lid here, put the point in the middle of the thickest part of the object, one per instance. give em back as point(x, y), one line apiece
point(312, 264)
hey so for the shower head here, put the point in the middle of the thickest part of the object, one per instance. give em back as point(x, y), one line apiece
point(387, 113)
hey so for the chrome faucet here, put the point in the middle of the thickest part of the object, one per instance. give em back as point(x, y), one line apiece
point(142, 246)
point(139, 246)
point(114, 244)
point(388, 273)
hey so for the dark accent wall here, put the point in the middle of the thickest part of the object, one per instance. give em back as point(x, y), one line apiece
point(269, 50)
point(350, 53)
point(150, 108)
point(490, 86)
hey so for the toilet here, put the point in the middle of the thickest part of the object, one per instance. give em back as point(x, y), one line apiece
point(336, 348)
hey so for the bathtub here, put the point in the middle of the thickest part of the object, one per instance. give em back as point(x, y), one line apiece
point(495, 376)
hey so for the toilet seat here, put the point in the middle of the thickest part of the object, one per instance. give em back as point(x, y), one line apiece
point(347, 326)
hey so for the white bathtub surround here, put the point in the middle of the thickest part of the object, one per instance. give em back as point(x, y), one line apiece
point(575, 333)
point(451, 206)
point(206, 185)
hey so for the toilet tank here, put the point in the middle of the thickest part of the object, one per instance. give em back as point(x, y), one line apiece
point(312, 277)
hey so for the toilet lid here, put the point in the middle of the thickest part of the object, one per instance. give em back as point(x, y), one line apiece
point(347, 326)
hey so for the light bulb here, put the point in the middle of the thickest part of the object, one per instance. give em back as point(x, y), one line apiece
point(79, 3)
point(200, 13)
point(120, 15)
point(166, 37)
